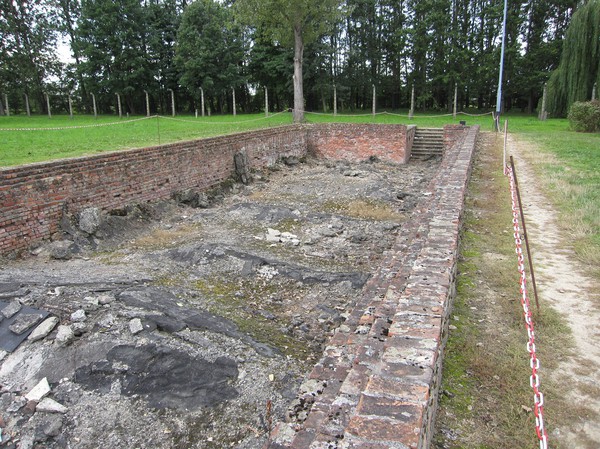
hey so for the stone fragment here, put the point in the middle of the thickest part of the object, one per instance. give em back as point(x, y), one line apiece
point(79, 329)
point(53, 426)
point(24, 322)
point(136, 326)
point(107, 322)
point(64, 336)
point(43, 329)
point(90, 220)
point(90, 303)
point(78, 316)
point(61, 250)
point(16, 405)
point(242, 170)
point(26, 442)
point(51, 406)
point(3, 354)
point(106, 299)
point(11, 309)
point(39, 391)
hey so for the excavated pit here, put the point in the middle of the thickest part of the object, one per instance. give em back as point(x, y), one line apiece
point(200, 324)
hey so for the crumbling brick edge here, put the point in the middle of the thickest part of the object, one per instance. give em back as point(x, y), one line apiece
point(377, 383)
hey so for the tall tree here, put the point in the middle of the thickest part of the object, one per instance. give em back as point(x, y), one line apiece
point(112, 39)
point(209, 51)
point(29, 29)
point(296, 22)
point(579, 67)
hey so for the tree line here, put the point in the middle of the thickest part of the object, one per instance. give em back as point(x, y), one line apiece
point(218, 47)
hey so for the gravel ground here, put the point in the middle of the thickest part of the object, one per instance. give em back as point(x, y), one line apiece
point(183, 327)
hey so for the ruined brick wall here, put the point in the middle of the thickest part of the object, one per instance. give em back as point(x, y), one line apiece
point(454, 134)
point(33, 197)
point(358, 142)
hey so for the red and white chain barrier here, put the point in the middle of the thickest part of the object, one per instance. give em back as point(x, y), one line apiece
point(534, 381)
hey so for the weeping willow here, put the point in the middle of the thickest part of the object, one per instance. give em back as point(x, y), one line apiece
point(579, 66)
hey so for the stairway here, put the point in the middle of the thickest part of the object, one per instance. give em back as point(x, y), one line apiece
point(428, 142)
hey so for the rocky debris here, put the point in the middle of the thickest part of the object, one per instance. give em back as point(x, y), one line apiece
point(104, 300)
point(136, 326)
point(25, 321)
point(51, 406)
point(276, 236)
point(11, 309)
point(40, 391)
point(192, 198)
point(61, 249)
point(90, 220)
point(290, 161)
point(64, 336)
point(242, 169)
point(78, 316)
point(43, 329)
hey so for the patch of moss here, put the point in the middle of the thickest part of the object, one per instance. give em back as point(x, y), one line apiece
point(241, 301)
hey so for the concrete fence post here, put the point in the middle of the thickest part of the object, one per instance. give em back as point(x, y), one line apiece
point(411, 113)
point(48, 104)
point(266, 102)
point(6, 106)
point(119, 105)
point(334, 100)
point(202, 101)
point(94, 106)
point(27, 108)
point(147, 104)
point(233, 91)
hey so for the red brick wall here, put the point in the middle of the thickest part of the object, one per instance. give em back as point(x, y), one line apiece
point(358, 142)
point(33, 197)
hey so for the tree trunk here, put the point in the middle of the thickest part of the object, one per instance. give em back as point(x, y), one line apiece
point(298, 86)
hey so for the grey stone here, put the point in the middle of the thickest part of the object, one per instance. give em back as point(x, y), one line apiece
point(51, 406)
point(26, 442)
point(90, 220)
point(242, 170)
point(79, 329)
point(107, 322)
point(78, 316)
point(64, 335)
point(3, 354)
point(106, 299)
point(40, 391)
point(25, 321)
point(43, 329)
point(290, 161)
point(136, 326)
point(16, 405)
point(61, 250)
point(90, 303)
point(53, 426)
point(11, 309)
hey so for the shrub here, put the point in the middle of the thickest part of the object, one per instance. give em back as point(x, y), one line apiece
point(584, 116)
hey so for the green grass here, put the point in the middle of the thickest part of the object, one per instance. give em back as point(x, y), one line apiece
point(83, 136)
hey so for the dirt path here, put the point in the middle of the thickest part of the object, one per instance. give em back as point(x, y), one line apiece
point(563, 284)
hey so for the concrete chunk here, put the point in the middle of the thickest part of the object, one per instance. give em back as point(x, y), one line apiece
point(11, 309)
point(43, 329)
point(51, 406)
point(39, 391)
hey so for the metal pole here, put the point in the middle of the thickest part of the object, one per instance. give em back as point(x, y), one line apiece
point(70, 108)
point(172, 103)
point(537, 303)
point(233, 91)
point(48, 104)
point(27, 108)
point(505, 142)
point(266, 102)
point(455, 99)
point(374, 100)
point(147, 104)
point(202, 101)
point(94, 105)
point(334, 100)
point(499, 95)
point(411, 113)
point(6, 105)
point(119, 105)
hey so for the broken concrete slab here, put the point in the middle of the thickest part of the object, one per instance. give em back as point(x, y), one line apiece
point(43, 329)
point(41, 390)
point(21, 327)
point(51, 406)
point(11, 309)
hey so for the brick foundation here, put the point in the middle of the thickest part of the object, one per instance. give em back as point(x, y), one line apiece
point(378, 380)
